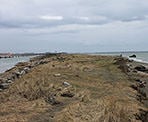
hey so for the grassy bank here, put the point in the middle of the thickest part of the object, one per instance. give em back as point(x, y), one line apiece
point(72, 88)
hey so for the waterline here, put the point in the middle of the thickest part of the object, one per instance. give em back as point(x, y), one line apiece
point(7, 63)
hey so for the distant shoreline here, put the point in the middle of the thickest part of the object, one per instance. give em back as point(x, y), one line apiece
point(103, 54)
point(141, 56)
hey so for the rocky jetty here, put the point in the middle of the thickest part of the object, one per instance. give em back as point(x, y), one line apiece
point(22, 68)
point(74, 87)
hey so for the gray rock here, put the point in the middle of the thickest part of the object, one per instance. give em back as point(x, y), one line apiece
point(66, 84)
point(57, 75)
point(52, 100)
point(17, 74)
point(26, 69)
point(142, 84)
point(22, 72)
point(11, 77)
point(67, 94)
point(42, 62)
point(139, 81)
point(4, 86)
point(141, 68)
point(9, 81)
point(129, 65)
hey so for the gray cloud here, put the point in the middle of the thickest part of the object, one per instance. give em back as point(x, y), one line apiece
point(73, 25)
point(28, 13)
point(38, 22)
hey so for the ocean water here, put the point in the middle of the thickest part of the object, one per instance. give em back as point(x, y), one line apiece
point(7, 63)
point(140, 56)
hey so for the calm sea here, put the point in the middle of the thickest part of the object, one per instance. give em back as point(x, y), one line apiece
point(140, 56)
point(7, 63)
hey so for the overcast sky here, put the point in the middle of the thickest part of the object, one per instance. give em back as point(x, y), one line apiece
point(73, 25)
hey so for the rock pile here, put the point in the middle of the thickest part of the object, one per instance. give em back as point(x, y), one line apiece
point(23, 68)
point(141, 68)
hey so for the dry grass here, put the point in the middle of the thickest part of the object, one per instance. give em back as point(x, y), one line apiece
point(102, 93)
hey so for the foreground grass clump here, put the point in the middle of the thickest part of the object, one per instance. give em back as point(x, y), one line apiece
point(98, 91)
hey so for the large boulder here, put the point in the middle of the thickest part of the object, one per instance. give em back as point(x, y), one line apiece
point(133, 56)
point(141, 68)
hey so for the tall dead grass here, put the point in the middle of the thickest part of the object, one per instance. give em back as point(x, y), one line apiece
point(102, 91)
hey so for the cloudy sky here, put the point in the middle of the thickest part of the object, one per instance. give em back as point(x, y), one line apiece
point(73, 25)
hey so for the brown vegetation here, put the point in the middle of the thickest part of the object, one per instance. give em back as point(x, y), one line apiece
point(98, 91)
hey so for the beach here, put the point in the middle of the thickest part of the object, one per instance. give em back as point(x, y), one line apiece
point(75, 87)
